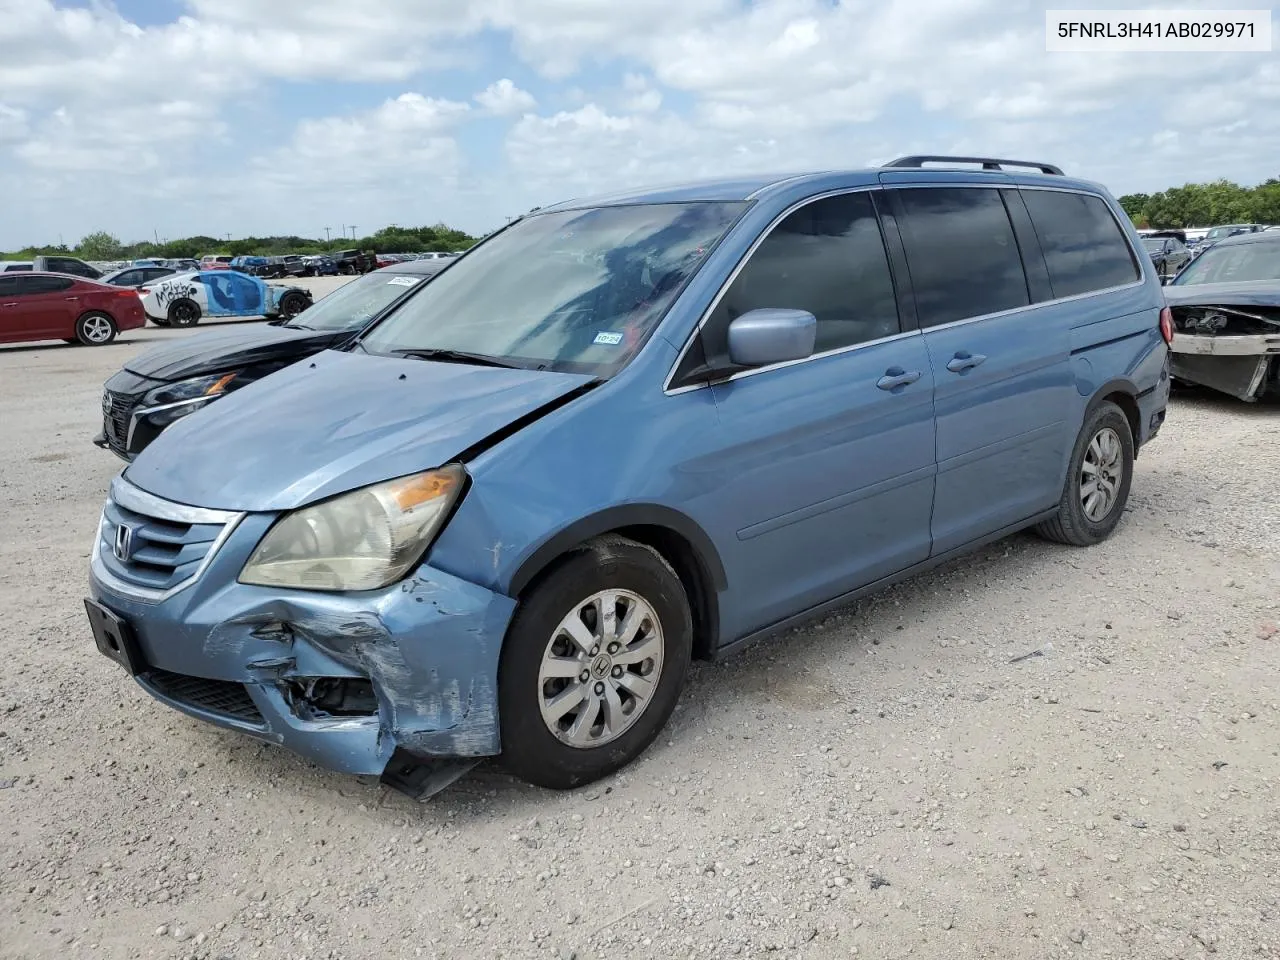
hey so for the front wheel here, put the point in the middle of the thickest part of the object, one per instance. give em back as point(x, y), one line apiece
point(95, 329)
point(1098, 480)
point(593, 664)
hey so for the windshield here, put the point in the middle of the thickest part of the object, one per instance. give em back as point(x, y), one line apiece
point(577, 291)
point(354, 304)
point(1234, 263)
point(1154, 244)
point(1219, 233)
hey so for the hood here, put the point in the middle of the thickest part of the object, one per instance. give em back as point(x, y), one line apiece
point(334, 423)
point(1256, 293)
point(218, 350)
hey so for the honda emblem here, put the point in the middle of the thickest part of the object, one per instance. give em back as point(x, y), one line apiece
point(124, 542)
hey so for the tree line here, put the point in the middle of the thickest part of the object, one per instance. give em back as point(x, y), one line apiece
point(1205, 205)
point(394, 239)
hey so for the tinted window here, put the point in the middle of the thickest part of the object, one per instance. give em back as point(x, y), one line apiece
point(127, 278)
point(1081, 241)
point(8, 286)
point(45, 284)
point(827, 258)
point(963, 256)
point(61, 265)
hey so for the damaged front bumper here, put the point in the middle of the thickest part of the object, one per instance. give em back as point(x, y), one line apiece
point(1244, 366)
point(349, 681)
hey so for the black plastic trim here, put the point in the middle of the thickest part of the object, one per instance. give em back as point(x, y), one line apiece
point(988, 163)
point(614, 518)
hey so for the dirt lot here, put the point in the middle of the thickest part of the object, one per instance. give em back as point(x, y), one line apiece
point(890, 783)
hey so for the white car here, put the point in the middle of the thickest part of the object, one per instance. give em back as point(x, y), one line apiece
point(183, 299)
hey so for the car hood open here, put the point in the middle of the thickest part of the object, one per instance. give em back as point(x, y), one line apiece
point(219, 350)
point(1260, 293)
point(336, 422)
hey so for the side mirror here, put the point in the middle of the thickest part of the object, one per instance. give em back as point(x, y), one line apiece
point(770, 335)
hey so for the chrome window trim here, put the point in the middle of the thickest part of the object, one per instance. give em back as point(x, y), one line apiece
point(666, 386)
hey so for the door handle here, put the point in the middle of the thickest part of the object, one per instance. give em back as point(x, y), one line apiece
point(10, 304)
point(71, 298)
point(896, 377)
point(964, 361)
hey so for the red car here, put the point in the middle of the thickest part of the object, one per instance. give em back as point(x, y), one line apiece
point(55, 306)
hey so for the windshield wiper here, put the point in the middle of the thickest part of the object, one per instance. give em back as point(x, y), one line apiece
point(457, 356)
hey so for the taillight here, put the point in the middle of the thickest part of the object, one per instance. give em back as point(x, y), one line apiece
point(1166, 325)
point(126, 292)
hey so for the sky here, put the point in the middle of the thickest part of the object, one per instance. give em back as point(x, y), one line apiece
point(169, 118)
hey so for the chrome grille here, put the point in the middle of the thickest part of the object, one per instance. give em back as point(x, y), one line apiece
point(117, 408)
point(149, 548)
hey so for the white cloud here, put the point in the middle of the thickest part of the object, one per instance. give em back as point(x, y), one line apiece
point(140, 114)
point(503, 98)
point(13, 124)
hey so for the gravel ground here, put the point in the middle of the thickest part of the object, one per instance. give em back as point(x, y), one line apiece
point(901, 780)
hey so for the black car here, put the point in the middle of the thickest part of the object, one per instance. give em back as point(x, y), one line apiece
point(136, 276)
point(179, 377)
point(354, 261)
point(1168, 250)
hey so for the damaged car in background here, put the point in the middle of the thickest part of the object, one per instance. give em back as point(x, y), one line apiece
point(1226, 317)
point(179, 377)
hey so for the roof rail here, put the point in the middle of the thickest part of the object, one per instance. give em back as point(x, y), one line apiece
point(988, 163)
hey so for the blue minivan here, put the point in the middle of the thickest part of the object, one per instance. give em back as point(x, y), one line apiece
point(625, 432)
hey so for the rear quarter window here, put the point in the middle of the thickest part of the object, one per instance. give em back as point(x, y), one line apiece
point(1083, 246)
point(962, 253)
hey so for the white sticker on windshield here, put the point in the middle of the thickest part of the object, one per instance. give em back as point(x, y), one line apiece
point(403, 281)
point(609, 339)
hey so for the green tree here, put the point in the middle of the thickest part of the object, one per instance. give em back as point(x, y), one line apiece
point(1132, 203)
point(100, 246)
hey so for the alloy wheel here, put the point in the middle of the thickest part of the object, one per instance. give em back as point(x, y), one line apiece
point(97, 329)
point(600, 669)
point(1101, 474)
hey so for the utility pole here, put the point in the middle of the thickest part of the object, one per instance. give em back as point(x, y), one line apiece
point(228, 238)
point(326, 234)
point(344, 231)
point(353, 231)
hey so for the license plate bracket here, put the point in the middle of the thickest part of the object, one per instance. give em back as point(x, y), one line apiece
point(114, 637)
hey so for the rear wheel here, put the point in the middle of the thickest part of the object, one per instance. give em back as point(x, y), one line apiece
point(184, 313)
point(292, 304)
point(593, 664)
point(95, 328)
point(1098, 481)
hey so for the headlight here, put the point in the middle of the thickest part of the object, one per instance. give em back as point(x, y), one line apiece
point(199, 388)
point(361, 540)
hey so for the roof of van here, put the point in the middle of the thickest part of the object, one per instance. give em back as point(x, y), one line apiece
point(726, 189)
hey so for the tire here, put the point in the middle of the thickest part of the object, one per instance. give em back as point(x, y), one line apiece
point(184, 313)
point(292, 304)
point(1105, 443)
point(642, 582)
point(95, 329)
